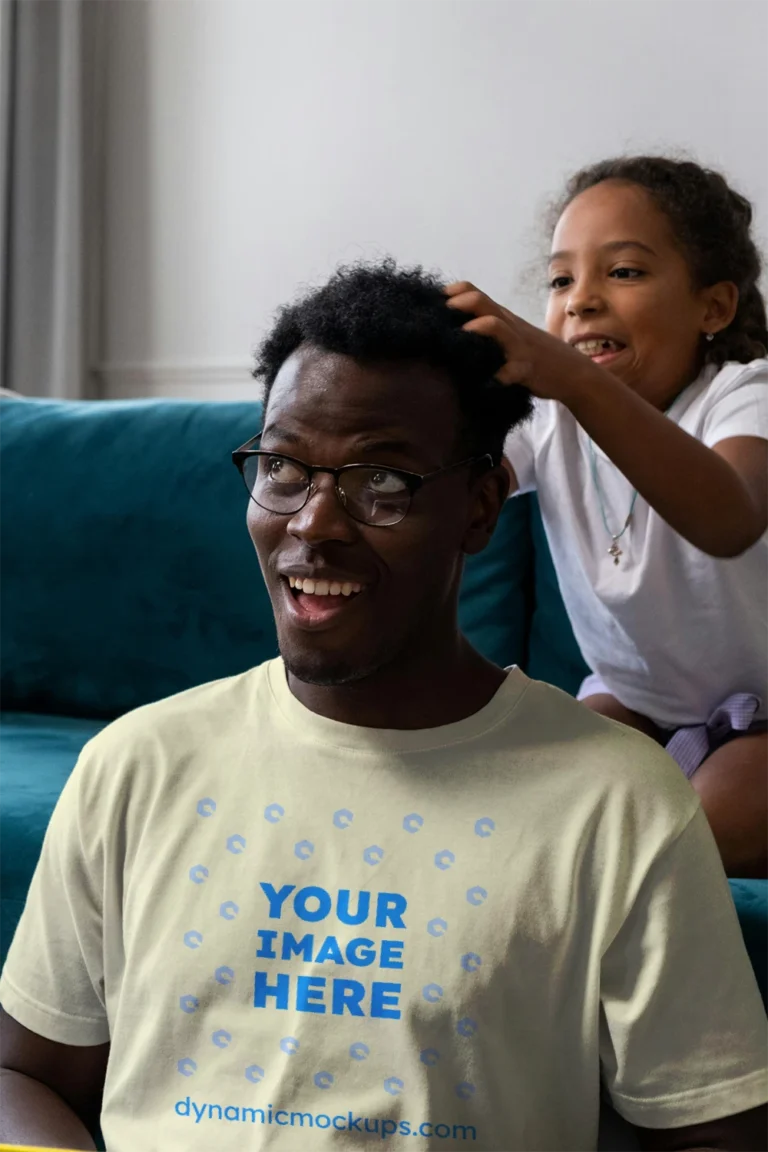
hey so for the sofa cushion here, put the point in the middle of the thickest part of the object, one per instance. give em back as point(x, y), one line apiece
point(751, 900)
point(495, 603)
point(553, 654)
point(128, 573)
point(38, 753)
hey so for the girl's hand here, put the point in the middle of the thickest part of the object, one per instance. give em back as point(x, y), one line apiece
point(547, 366)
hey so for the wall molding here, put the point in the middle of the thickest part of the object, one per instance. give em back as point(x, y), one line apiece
point(196, 380)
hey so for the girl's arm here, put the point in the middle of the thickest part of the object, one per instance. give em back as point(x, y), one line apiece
point(716, 498)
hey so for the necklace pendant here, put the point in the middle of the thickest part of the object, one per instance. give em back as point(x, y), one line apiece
point(615, 551)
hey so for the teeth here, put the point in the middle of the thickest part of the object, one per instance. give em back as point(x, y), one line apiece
point(324, 587)
point(595, 347)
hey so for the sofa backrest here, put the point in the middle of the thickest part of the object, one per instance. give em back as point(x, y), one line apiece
point(127, 571)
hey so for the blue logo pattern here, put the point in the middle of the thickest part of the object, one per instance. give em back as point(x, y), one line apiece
point(372, 855)
point(437, 927)
point(477, 896)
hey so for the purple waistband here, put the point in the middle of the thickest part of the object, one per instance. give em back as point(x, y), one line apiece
point(690, 746)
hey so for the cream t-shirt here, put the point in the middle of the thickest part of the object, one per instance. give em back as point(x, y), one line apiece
point(301, 934)
point(671, 631)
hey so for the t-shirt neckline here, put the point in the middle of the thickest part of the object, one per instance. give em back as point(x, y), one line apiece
point(320, 729)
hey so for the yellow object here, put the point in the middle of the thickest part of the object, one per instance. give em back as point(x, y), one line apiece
point(31, 1148)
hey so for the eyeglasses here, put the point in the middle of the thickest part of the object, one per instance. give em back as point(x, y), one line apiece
point(371, 495)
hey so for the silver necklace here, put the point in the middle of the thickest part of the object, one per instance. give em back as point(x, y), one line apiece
point(614, 551)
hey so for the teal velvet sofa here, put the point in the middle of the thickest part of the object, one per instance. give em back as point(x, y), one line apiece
point(128, 575)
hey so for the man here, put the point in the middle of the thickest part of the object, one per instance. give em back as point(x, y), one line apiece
point(380, 889)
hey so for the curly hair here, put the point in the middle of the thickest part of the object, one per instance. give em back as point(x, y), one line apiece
point(380, 313)
point(712, 225)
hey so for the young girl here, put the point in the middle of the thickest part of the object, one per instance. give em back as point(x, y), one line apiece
point(649, 452)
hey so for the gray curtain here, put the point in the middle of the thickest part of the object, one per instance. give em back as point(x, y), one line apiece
point(52, 67)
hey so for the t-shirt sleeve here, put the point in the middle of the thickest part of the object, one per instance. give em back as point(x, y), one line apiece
point(520, 450)
point(53, 979)
point(683, 1034)
point(742, 410)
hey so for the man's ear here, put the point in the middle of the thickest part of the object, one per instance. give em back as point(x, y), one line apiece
point(489, 493)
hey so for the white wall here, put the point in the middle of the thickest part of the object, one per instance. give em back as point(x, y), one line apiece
point(254, 145)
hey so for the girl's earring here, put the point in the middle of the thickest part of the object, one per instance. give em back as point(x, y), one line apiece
point(709, 336)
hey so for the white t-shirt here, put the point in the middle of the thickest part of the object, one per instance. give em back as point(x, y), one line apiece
point(671, 631)
point(285, 924)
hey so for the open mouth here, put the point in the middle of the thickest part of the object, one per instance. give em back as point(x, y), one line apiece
point(324, 587)
point(317, 602)
point(601, 349)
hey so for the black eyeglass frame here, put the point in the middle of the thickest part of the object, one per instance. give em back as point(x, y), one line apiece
point(412, 480)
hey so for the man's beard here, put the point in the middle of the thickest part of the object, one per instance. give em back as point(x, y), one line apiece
point(334, 670)
point(327, 674)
